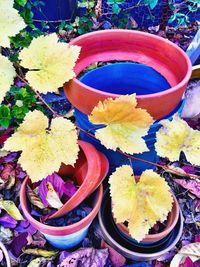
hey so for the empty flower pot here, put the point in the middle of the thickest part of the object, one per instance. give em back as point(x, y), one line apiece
point(128, 247)
point(64, 237)
point(6, 256)
point(115, 158)
point(157, 53)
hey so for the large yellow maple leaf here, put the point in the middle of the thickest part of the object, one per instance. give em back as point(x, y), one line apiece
point(141, 203)
point(7, 75)
point(44, 149)
point(176, 136)
point(125, 124)
point(10, 22)
point(50, 63)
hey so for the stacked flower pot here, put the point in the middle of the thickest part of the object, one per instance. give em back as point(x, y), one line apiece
point(158, 72)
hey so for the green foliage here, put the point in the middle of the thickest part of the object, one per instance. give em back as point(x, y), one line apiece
point(20, 100)
point(21, 2)
point(5, 116)
point(115, 5)
point(178, 17)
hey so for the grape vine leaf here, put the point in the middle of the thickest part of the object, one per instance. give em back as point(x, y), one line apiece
point(141, 203)
point(10, 22)
point(52, 64)
point(176, 136)
point(125, 124)
point(44, 149)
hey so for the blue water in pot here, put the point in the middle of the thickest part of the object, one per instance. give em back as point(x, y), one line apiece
point(127, 78)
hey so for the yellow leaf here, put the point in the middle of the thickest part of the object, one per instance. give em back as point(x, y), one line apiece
point(11, 209)
point(44, 150)
point(124, 177)
point(35, 263)
point(176, 136)
point(125, 124)
point(10, 22)
point(7, 75)
point(192, 249)
point(141, 204)
point(52, 64)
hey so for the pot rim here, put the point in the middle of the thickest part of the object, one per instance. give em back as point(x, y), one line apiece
point(5, 253)
point(94, 174)
point(137, 254)
point(171, 223)
point(144, 34)
point(63, 230)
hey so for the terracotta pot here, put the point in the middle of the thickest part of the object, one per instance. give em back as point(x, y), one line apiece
point(127, 45)
point(89, 171)
point(170, 224)
point(64, 237)
point(6, 255)
point(128, 248)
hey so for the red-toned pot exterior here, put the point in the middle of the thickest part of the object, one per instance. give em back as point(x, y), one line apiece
point(64, 230)
point(89, 172)
point(122, 45)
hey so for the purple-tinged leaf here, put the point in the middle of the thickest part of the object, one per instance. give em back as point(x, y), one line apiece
point(25, 227)
point(69, 188)
point(57, 184)
point(63, 255)
point(7, 172)
point(7, 221)
point(10, 158)
point(187, 263)
point(86, 257)
point(189, 169)
point(49, 264)
point(191, 185)
point(18, 244)
point(116, 258)
point(19, 83)
point(197, 238)
point(38, 240)
point(34, 198)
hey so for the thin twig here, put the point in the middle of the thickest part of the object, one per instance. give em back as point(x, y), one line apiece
point(164, 167)
point(39, 96)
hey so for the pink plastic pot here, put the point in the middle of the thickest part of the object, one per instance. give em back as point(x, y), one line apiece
point(170, 224)
point(127, 45)
point(89, 171)
point(66, 236)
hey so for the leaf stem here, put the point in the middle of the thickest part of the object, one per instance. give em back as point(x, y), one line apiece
point(39, 96)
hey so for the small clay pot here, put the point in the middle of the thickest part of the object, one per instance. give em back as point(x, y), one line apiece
point(130, 248)
point(64, 237)
point(171, 221)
